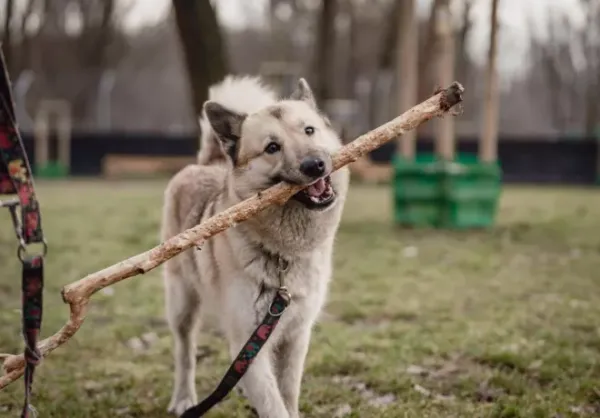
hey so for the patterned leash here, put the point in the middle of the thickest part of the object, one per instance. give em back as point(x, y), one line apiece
point(15, 178)
point(250, 350)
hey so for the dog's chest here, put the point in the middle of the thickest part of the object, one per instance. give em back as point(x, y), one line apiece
point(302, 276)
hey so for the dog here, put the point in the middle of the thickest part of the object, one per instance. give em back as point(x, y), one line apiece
point(251, 140)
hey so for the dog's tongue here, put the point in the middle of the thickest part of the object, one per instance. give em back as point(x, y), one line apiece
point(317, 189)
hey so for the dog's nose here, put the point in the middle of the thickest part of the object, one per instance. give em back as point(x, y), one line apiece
point(312, 167)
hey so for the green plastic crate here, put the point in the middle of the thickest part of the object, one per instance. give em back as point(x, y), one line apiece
point(429, 192)
point(51, 170)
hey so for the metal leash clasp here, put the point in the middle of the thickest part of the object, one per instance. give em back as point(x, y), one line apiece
point(283, 267)
point(12, 206)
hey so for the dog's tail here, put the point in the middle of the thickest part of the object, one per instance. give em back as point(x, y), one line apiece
point(242, 94)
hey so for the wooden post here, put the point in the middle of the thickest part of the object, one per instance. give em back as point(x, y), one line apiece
point(41, 138)
point(489, 134)
point(64, 135)
point(406, 71)
point(42, 131)
point(445, 45)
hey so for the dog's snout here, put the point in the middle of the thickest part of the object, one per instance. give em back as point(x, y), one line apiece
point(313, 167)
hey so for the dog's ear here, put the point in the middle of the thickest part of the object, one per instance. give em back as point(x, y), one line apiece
point(228, 126)
point(304, 93)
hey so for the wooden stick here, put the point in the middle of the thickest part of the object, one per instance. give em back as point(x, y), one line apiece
point(78, 294)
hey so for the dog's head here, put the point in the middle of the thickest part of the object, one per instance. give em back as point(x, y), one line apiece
point(288, 141)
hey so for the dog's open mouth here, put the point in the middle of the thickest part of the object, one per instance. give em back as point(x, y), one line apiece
point(318, 195)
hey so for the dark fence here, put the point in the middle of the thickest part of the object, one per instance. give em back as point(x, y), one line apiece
point(523, 160)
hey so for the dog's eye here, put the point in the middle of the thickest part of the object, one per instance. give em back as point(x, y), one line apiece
point(272, 148)
point(309, 130)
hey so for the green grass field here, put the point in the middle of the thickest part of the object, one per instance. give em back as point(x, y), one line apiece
point(499, 323)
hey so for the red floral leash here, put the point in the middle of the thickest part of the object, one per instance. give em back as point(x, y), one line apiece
point(15, 178)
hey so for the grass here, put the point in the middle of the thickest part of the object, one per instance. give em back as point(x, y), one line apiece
point(420, 323)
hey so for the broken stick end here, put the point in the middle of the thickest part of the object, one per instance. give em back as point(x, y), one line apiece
point(451, 96)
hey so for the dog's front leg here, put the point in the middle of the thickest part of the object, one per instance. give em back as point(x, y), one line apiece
point(290, 366)
point(260, 384)
point(183, 313)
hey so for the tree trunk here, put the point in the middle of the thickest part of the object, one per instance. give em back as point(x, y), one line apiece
point(445, 51)
point(429, 50)
point(489, 135)
point(95, 42)
point(428, 55)
point(462, 58)
point(7, 45)
point(353, 59)
point(23, 60)
point(406, 71)
point(324, 50)
point(389, 42)
point(203, 47)
point(385, 59)
point(592, 52)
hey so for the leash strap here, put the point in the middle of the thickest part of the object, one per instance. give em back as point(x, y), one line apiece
point(15, 178)
point(15, 173)
point(245, 357)
point(33, 283)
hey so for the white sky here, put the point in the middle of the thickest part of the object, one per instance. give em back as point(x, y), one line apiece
point(515, 18)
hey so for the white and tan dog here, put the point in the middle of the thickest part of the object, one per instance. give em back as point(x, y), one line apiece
point(251, 141)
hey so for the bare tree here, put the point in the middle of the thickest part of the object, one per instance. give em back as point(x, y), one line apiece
point(489, 135)
point(569, 60)
point(406, 70)
point(445, 60)
point(7, 45)
point(353, 58)
point(591, 48)
point(203, 47)
point(386, 53)
point(466, 25)
point(325, 50)
point(387, 48)
point(93, 49)
point(17, 41)
point(427, 52)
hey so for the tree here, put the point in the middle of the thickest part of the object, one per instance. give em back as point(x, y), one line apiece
point(67, 48)
point(445, 64)
point(406, 70)
point(7, 45)
point(325, 50)
point(353, 58)
point(569, 62)
point(489, 134)
point(427, 53)
point(462, 57)
point(386, 54)
point(203, 47)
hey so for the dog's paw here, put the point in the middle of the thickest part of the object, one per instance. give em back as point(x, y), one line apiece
point(180, 404)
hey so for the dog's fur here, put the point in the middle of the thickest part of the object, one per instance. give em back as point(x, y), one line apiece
point(235, 275)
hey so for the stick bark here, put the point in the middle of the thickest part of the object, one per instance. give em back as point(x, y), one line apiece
point(77, 294)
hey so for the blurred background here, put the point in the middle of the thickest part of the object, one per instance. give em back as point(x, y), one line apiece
point(109, 72)
point(489, 311)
